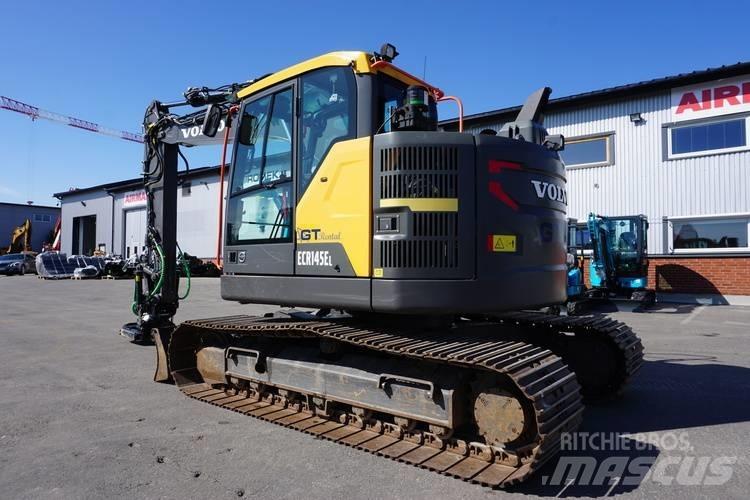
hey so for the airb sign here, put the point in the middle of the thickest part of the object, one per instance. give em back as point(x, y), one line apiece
point(720, 97)
point(134, 199)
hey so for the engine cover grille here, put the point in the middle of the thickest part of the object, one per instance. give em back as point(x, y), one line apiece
point(409, 254)
point(420, 192)
point(419, 172)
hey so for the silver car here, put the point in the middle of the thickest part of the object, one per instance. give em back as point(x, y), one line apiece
point(17, 263)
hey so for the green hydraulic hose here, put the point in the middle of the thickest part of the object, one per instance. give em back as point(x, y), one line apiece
point(160, 281)
point(186, 268)
point(134, 305)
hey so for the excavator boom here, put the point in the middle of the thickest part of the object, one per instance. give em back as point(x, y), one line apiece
point(20, 239)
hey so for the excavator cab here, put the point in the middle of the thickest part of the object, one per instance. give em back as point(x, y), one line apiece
point(343, 194)
point(620, 262)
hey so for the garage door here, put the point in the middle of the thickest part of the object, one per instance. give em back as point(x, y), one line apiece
point(135, 231)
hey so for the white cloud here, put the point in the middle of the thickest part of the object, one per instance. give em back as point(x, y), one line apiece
point(6, 191)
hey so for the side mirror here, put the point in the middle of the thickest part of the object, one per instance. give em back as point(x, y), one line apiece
point(248, 130)
point(211, 120)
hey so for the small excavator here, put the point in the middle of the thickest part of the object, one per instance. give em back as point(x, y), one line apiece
point(618, 264)
point(415, 254)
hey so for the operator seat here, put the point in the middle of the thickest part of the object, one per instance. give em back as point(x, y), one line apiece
point(628, 242)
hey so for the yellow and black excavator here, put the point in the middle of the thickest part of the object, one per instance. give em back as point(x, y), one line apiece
point(421, 252)
point(20, 240)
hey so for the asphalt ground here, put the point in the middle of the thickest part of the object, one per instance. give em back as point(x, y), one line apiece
point(81, 418)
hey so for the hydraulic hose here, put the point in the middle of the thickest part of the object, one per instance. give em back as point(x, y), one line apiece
point(136, 295)
point(186, 268)
point(159, 281)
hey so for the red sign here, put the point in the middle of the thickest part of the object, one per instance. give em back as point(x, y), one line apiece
point(711, 99)
point(134, 199)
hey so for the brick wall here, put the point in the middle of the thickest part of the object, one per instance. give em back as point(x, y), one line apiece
point(723, 275)
point(717, 275)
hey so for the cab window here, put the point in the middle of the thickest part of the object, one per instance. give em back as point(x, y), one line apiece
point(328, 116)
point(260, 193)
point(390, 96)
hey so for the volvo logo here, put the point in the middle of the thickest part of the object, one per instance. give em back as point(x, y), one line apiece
point(241, 257)
point(550, 191)
point(195, 131)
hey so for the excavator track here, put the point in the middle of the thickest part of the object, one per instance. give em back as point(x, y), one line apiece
point(604, 353)
point(547, 386)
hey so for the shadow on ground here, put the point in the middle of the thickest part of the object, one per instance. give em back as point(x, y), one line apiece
point(675, 393)
point(609, 306)
point(670, 308)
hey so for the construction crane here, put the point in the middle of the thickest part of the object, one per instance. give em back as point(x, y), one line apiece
point(190, 127)
point(34, 112)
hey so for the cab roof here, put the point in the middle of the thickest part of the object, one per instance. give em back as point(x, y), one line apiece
point(361, 62)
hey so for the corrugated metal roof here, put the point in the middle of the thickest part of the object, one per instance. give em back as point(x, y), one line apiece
point(135, 183)
point(26, 205)
point(627, 90)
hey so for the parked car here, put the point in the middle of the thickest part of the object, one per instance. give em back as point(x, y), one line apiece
point(17, 263)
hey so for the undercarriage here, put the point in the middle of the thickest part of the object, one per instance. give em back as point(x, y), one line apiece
point(485, 400)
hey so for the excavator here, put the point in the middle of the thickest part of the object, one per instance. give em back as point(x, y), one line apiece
point(618, 264)
point(407, 262)
point(20, 240)
point(620, 260)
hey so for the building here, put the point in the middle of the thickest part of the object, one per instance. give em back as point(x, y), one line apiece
point(112, 217)
point(676, 149)
point(42, 218)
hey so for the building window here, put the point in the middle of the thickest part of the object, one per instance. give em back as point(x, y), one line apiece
point(590, 151)
point(713, 137)
point(42, 218)
point(721, 233)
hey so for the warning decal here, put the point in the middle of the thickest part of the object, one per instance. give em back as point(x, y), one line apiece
point(503, 243)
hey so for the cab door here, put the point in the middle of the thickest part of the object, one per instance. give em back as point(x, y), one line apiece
point(259, 218)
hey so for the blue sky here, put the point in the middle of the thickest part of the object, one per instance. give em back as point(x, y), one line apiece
point(104, 61)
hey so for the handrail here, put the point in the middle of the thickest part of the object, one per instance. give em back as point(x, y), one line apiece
point(460, 109)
